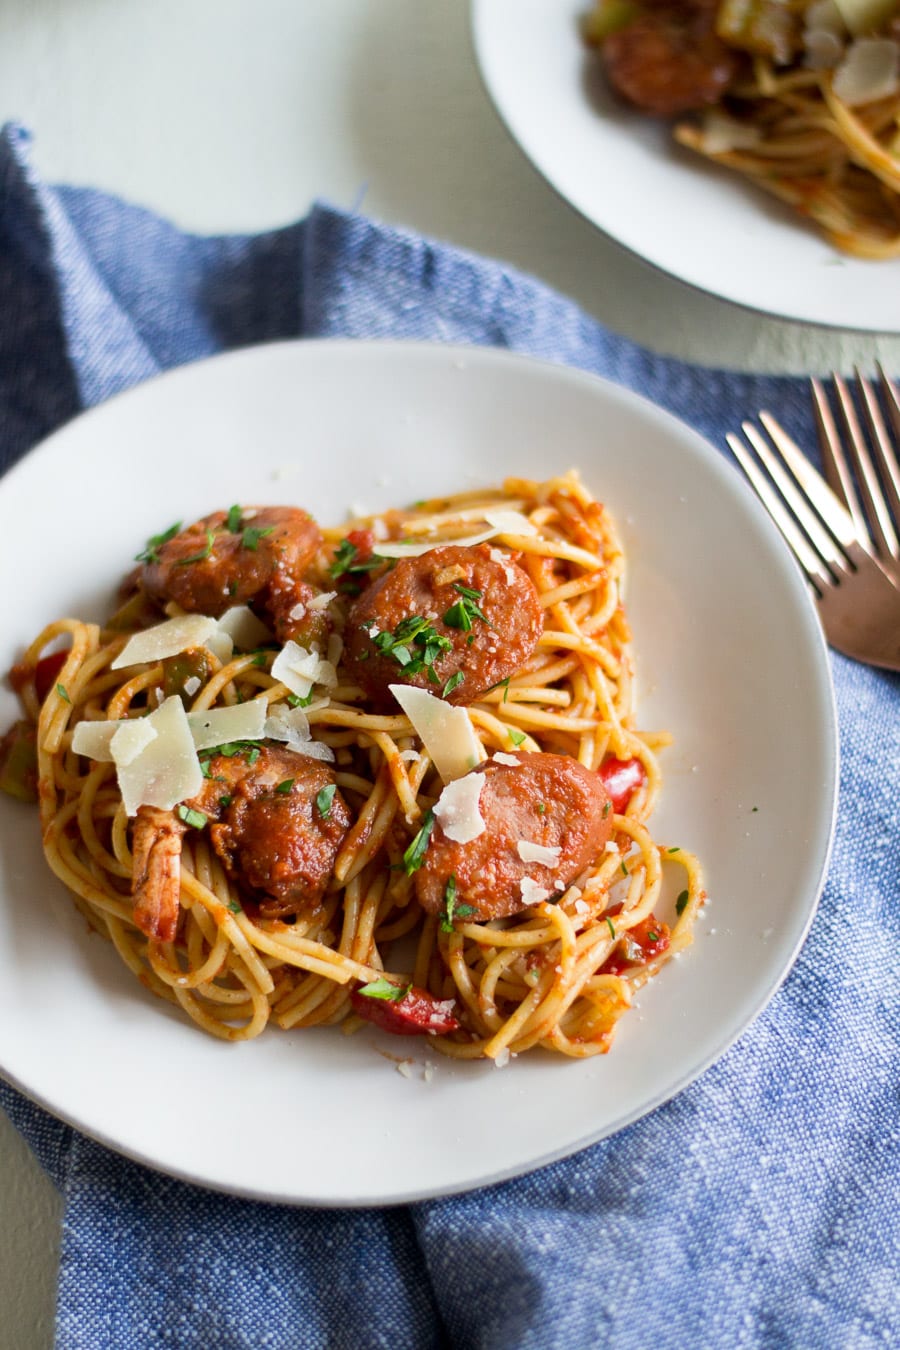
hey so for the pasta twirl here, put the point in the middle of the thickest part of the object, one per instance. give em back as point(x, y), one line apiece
point(343, 788)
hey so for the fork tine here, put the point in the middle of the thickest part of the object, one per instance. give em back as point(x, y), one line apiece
point(839, 520)
point(887, 457)
point(810, 562)
point(876, 508)
point(837, 470)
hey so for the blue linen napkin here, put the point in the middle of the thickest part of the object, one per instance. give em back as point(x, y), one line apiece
point(757, 1209)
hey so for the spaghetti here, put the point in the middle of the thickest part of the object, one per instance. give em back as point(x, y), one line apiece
point(802, 99)
point(558, 972)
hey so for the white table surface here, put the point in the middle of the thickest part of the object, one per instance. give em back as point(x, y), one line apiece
point(232, 115)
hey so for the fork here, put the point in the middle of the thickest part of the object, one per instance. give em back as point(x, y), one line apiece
point(877, 519)
point(858, 604)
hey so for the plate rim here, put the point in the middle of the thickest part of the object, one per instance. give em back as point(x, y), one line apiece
point(479, 25)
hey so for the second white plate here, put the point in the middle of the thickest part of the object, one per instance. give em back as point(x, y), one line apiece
point(624, 173)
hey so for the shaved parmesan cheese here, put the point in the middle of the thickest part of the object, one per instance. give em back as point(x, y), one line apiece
point(721, 133)
point(456, 810)
point(244, 628)
point(532, 893)
point(192, 684)
point(499, 522)
point(444, 730)
point(404, 549)
point(167, 770)
point(824, 16)
point(92, 739)
point(502, 758)
point(823, 50)
point(314, 750)
point(165, 639)
point(131, 737)
point(510, 522)
point(869, 71)
point(287, 724)
point(865, 16)
point(218, 726)
point(545, 854)
point(291, 725)
point(299, 669)
point(322, 601)
point(221, 645)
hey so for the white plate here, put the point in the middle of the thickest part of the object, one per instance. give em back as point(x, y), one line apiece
point(622, 171)
point(731, 660)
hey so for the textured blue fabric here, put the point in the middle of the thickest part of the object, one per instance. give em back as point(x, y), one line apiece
point(760, 1207)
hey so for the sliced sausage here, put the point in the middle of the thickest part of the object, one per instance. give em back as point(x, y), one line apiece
point(230, 558)
point(669, 59)
point(547, 800)
point(276, 834)
point(478, 619)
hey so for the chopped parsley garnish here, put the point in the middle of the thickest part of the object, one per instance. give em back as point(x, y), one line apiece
point(453, 683)
point(382, 988)
point(415, 854)
point(204, 552)
point(150, 553)
point(676, 849)
point(195, 819)
point(541, 808)
point(252, 535)
point(235, 906)
point(285, 786)
point(624, 869)
point(415, 645)
point(501, 684)
point(465, 610)
point(652, 937)
point(259, 659)
point(297, 702)
point(324, 799)
point(681, 903)
point(606, 809)
point(63, 693)
point(517, 737)
point(452, 909)
point(225, 801)
point(229, 749)
point(345, 560)
point(234, 520)
point(612, 928)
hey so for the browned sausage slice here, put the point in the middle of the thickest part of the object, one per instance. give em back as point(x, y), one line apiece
point(231, 558)
point(281, 828)
point(455, 621)
point(548, 801)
